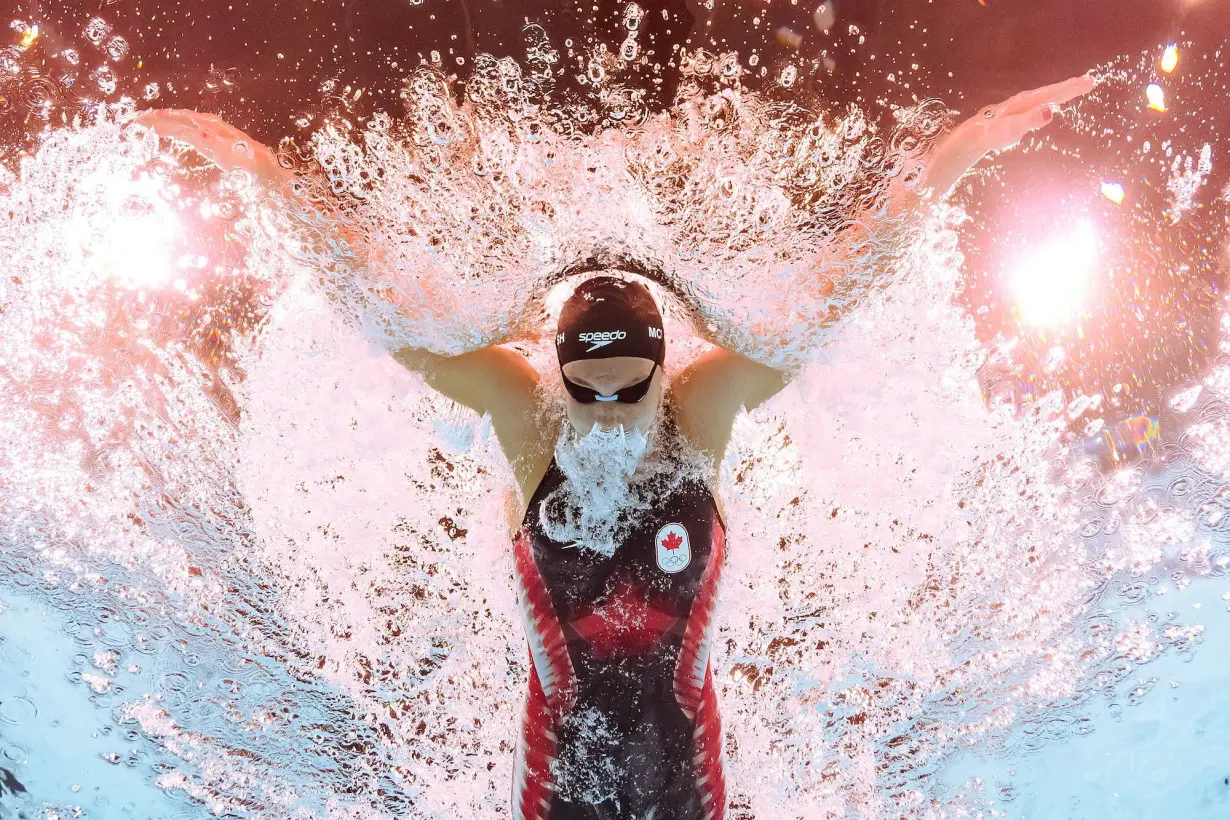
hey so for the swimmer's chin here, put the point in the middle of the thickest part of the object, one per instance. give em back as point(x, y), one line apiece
point(611, 432)
point(616, 434)
point(616, 429)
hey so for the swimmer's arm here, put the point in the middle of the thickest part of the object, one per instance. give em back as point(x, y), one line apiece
point(221, 143)
point(720, 382)
point(231, 149)
point(712, 390)
point(995, 128)
point(486, 381)
point(494, 380)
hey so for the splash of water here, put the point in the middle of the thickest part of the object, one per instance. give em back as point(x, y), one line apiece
point(278, 551)
point(593, 508)
point(612, 478)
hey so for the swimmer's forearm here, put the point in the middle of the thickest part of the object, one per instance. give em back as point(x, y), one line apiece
point(494, 379)
point(905, 205)
point(995, 128)
point(221, 143)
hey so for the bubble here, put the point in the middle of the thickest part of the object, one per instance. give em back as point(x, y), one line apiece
point(105, 79)
point(1181, 486)
point(727, 66)
point(633, 14)
point(787, 76)
point(40, 92)
point(173, 682)
point(1119, 487)
point(1092, 527)
point(96, 30)
point(117, 48)
point(17, 710)
point(10, 62)
point(1134, 593)
point(595, 72)
point(223, 79)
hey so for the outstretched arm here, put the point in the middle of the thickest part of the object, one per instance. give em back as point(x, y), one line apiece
point(995, 128)
point(493, 379)
point(720, 382)
point(219, 142)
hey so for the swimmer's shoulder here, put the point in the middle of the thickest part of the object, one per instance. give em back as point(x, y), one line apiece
point(712, 390)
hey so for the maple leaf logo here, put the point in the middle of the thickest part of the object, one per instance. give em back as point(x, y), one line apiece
point(672, 541)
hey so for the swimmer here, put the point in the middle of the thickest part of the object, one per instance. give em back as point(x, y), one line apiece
point(620, 540)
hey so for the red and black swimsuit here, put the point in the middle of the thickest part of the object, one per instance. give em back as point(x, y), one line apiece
point(621, 722)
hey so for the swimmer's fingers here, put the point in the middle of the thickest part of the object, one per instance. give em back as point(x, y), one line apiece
point(997, 127)
point(1007, 130)
point(194, 128)
point(211, 137)
point(153, 117)
point(171, 123)
point(1004, 125)
point(217, 140)
point(1056, 94)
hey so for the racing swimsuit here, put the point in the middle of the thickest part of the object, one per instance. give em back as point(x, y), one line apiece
point(621, 721)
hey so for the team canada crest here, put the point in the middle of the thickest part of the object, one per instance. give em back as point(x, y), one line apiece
point(673, 548)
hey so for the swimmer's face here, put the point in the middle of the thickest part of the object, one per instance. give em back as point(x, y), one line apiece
point(608, 377)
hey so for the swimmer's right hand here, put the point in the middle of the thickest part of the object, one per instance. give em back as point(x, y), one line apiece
point(219, 142)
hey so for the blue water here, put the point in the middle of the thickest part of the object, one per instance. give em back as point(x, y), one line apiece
point(55, 740)
point(1159, 747)
point(1154, 750)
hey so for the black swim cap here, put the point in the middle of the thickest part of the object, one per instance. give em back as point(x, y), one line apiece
point(607, 317)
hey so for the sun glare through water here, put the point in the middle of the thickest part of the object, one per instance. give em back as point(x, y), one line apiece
point(1051, 283)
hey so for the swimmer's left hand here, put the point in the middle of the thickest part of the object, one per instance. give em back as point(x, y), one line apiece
point(995, 128)
point(219, 142)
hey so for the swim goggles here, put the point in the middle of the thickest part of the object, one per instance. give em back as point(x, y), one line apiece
point(631, 394)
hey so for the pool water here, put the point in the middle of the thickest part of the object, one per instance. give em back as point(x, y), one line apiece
point(251, 567)
point(1156, 745)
